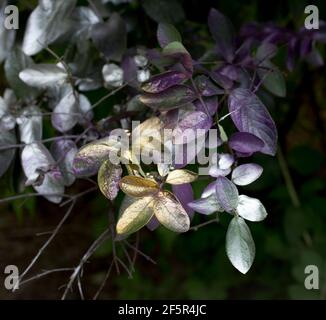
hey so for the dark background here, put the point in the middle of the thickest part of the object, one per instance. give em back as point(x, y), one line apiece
point(194, 265)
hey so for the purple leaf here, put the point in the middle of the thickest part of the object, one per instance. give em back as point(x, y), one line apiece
point(153, 224)
point(163, 81)
point(169, 99)
point(110, 37)
point(226, 194)
point(211, 105)
point(206, 205)
point(250, 115)
point(245, 143)
point(206, 87)
point(246, 174)
point(223, 33)
point(185, 195)
point(222, 80)
point(129, 68)
point(167, 33)
point(189, 125)
point(64, 151)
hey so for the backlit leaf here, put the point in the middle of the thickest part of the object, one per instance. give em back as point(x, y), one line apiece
point(137, 215)
point(167, 33)
point(181, 176)
point(138, 186)
point(170, 213)
point(170, 98)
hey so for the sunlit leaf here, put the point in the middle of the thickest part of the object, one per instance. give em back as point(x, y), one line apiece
point(65, 114)
point(43, 75)
point(181, 176)
point(46, 23)
point(251, 209)
point(89, 158)
point(135, 216)
point(30, 124)
point(240, 246)
point(170, 98)
point(170, 213)
point(138, 186)
point(108, 179)
point(246, 173)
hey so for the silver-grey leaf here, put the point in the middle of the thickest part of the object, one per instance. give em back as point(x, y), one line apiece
point(240, 246)
point(226, 193)
point(246, 174)
point(206, 205)
point(30, 124)
point(251, 209)
point(46, 23)
point(65, 114)
point(43, 75)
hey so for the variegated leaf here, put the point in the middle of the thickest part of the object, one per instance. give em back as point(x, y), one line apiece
point(137, 215)
point(108, 179)
point(169, 212)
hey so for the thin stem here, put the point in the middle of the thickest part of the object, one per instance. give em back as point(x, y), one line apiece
point(288, 179)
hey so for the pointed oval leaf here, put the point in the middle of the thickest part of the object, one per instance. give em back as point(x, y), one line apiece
point(181, 176)
point(206, 205)
point(43, 75)
point(64, 152)
point(240, 246)
point(163, 81)
point(170, 98)
point(138, 187)
point(246, 173)
point(108, 179)
point(167, 33)
point(30, 124)
point(249, 114)
point(192, 126)
point(245, 142)
point(89, 158)
point(46, 23)
point(65, 114)
point(169, 212)
point(137, 215)
point(251, 209)
point(226, 193)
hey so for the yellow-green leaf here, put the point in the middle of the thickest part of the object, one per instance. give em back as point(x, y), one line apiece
point(136, 216)
point(181, 176)
point(169, 212)
point(108, 179)
point(138, 186)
